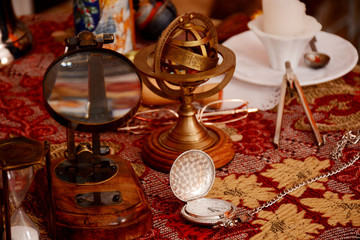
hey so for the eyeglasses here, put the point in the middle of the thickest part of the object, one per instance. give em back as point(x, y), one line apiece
point(224, 111)
point(217, 112)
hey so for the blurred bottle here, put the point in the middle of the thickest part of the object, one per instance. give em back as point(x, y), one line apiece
point(153, 16)
point(15, 37)
point(107, 16)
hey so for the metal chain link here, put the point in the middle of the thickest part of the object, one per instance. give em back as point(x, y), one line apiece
point(336, 154)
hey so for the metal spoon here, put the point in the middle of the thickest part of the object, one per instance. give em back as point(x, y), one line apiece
point(314, 59)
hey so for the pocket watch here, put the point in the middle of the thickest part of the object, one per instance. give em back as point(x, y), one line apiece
point(191, 178)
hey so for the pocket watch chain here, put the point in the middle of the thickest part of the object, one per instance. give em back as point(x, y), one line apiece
point(336, 154)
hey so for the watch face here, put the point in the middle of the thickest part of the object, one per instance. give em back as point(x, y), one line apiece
point(208, 207)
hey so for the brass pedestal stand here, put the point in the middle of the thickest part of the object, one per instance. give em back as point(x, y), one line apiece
point(161, 158)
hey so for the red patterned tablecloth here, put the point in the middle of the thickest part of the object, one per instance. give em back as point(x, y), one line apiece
point(326, 209)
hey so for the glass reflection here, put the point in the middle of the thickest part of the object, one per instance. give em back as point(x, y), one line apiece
point(92, 87)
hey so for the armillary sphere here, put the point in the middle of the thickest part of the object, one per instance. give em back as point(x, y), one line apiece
point(186, 55)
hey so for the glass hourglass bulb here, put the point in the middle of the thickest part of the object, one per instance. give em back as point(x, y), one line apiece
point(22, 227)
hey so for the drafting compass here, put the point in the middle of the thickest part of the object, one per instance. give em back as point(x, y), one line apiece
point(290, 80)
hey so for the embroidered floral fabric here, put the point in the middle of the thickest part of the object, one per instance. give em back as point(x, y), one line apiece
point(326, 209)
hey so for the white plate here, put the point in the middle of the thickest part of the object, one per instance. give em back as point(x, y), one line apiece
point(252, 64)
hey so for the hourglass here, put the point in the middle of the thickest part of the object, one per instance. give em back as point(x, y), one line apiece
point(21, 225)
point(17, 158)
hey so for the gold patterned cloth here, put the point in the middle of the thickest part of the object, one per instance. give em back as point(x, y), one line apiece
point(325, 209)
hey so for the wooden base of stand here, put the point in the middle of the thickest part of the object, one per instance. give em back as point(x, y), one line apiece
point(129, 219)
point(161, 158)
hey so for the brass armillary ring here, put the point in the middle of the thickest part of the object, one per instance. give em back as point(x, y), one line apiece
point(187, 54)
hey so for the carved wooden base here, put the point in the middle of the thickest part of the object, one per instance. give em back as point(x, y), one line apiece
point(161, 158)
point(129, 218)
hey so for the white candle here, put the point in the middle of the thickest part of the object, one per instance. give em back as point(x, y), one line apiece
point(24, 233)
point(284, 17)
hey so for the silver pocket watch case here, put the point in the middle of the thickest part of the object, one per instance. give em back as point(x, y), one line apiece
point(191, 177)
